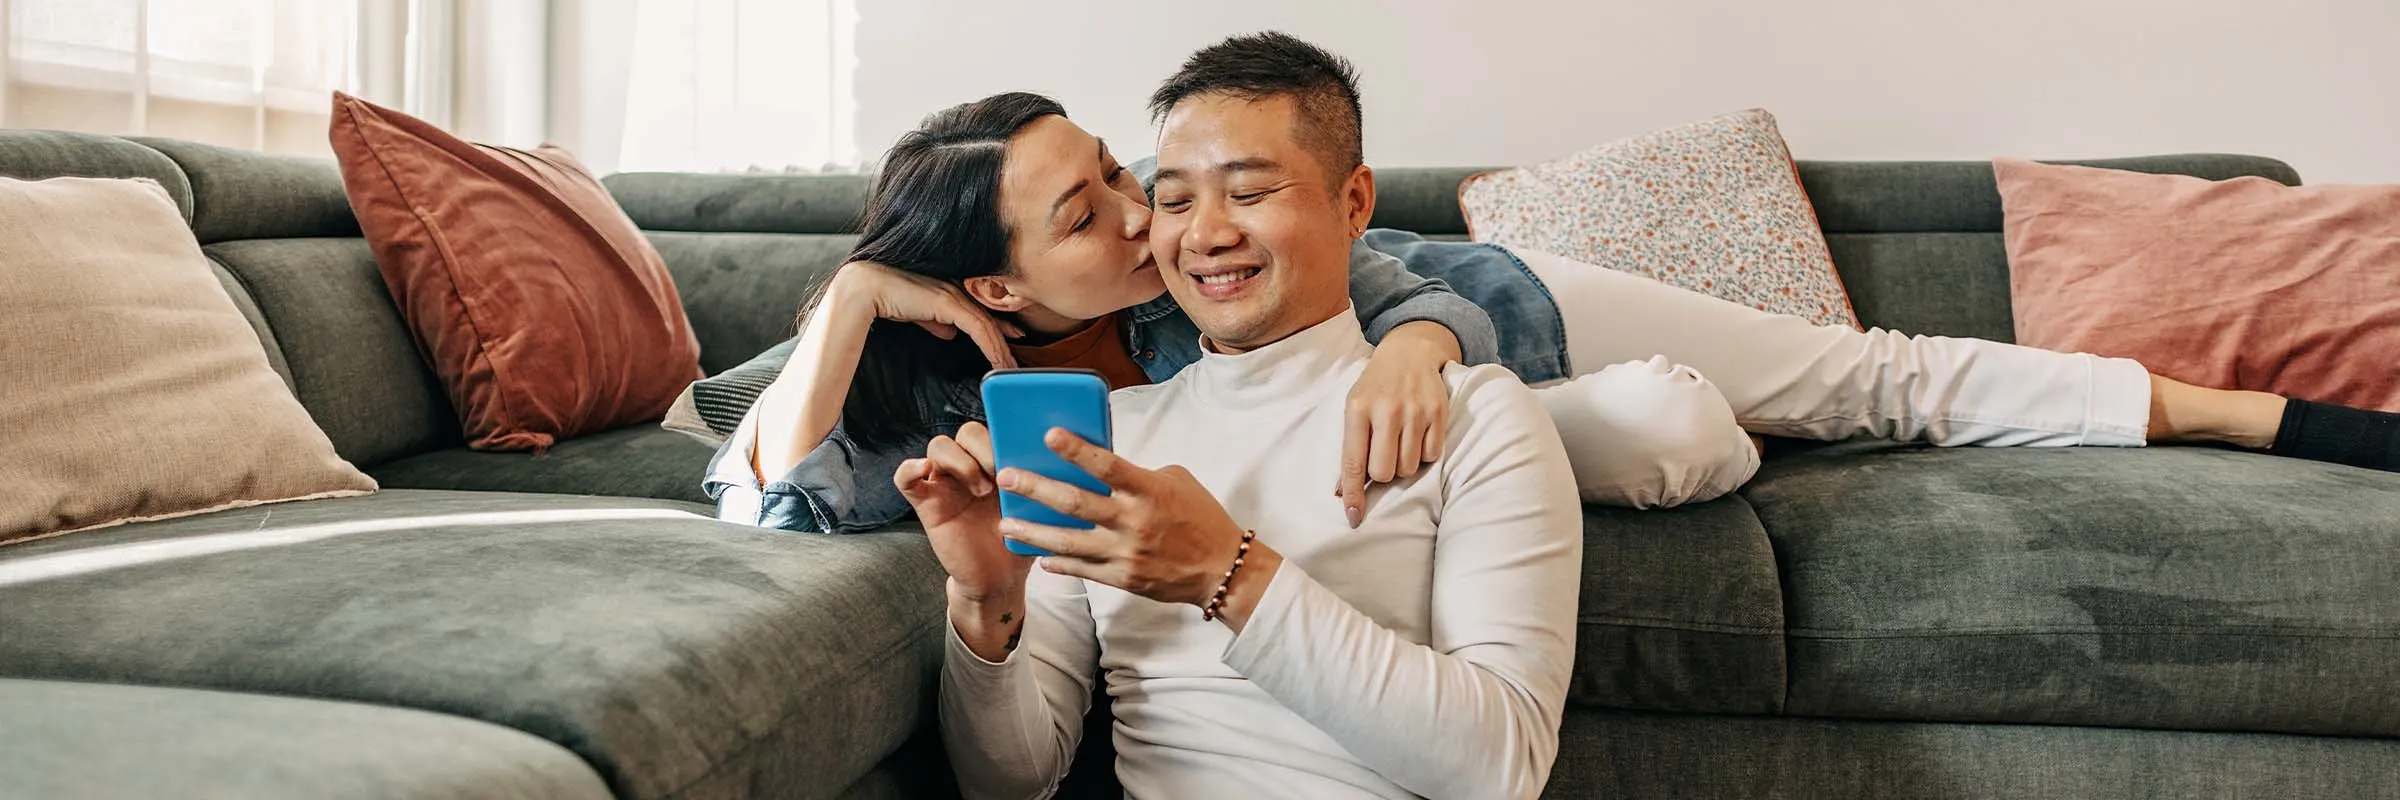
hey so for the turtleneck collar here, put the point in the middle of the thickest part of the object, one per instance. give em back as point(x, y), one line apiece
point(1287, 366)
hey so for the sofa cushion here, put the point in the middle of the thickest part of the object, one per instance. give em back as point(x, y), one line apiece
point(351, 360)
point(136, 388)
point(248, 305)
point(1681, 611)
point(641, 461)
point(677, 655)
point(1918, 245)
point(244, 194)
point(543, 309)
point(2237, 284)
point(1952, 196)
point(2167, 587)
point(1694, 757)
point(1713, 207)
point(1421, 199)
point(103, 740)
point(687, 201)
point(41, 155)
point(743, 291)
point(712, 407)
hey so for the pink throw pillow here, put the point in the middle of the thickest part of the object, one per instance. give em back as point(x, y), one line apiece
point(2237, 284)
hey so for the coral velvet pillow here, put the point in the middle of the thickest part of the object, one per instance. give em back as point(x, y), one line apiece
point(537, 302)
point(1715, 207)
point(2237, 284)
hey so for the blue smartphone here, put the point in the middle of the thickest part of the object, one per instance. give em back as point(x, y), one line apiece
point(1020, 406)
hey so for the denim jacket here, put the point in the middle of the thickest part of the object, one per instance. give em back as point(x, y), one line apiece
point(1395, 278)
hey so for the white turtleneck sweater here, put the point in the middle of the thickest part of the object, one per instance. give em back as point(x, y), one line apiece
point(1425, 653)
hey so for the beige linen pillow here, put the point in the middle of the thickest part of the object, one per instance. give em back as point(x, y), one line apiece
point(131, 388)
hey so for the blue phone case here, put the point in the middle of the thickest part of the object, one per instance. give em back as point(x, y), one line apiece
point(1021, 406)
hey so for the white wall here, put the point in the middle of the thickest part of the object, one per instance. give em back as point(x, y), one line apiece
point(1455, 82)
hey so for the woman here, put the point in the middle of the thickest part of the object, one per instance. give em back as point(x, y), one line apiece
point(968, 232)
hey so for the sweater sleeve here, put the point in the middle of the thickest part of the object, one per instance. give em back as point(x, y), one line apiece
point(1011, 727)
point(1387, 296)
point(1474, 712)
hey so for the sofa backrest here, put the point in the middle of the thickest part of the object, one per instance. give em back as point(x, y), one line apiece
point(746, 250)
point(1917, 244)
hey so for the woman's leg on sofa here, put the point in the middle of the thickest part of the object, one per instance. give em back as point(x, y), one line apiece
point(1785, 376)
point(1649, 434)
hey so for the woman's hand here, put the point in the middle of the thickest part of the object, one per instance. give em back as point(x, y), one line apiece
point(952, 491)
point(1161, 534)
point(940, 308)
point(1399, 412)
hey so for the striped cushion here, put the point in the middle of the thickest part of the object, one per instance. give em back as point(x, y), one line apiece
point(712, 407)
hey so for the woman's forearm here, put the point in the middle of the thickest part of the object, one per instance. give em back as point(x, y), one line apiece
point(1436, 342)
point(801, 407)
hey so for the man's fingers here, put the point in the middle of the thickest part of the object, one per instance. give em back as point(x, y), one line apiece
point(1108, 467)
point(954, 463)
point(1060, 496)
point(977, 441)
point(1081, 545)
point(1100, 572)
point(911, 474)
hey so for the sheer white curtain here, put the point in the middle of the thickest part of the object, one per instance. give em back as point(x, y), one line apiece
point(242, 73)
point(741, 85)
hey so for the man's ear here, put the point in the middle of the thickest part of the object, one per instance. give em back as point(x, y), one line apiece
point(1359, 192)
point(993, 292)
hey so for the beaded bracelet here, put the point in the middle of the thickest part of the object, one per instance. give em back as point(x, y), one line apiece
point(1208, 611)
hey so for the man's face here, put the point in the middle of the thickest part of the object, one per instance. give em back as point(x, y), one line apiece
point(1251, 233)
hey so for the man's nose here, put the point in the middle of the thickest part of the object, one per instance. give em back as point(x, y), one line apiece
point(1211, 230)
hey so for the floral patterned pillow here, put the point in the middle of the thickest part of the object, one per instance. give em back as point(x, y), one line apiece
point(1715, 207)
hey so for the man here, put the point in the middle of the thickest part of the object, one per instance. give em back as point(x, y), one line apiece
point(1254, 643)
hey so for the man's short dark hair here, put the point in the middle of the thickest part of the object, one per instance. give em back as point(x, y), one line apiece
point(1323, 88)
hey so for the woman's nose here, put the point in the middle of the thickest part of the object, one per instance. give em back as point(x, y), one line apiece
point(1137, 219)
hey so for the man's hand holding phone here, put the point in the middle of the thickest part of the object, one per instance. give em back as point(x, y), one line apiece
point(1160, 533)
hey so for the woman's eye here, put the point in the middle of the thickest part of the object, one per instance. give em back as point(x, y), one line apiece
point(1116, 173)
point(1086, 222)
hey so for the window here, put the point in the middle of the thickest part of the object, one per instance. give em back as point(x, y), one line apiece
point(732, 85)
point(250, 73)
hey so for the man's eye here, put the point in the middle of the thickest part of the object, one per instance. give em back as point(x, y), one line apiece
point(1173, 206)
point(1248, 197)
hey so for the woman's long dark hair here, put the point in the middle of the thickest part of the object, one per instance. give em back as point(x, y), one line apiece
point(934, 211)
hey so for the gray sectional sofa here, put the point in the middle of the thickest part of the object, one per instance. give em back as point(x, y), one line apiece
point(1862, 620)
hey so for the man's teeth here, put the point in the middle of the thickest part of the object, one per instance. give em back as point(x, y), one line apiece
point(1227, 277)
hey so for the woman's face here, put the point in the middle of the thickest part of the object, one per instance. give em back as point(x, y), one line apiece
point(1079, 226)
